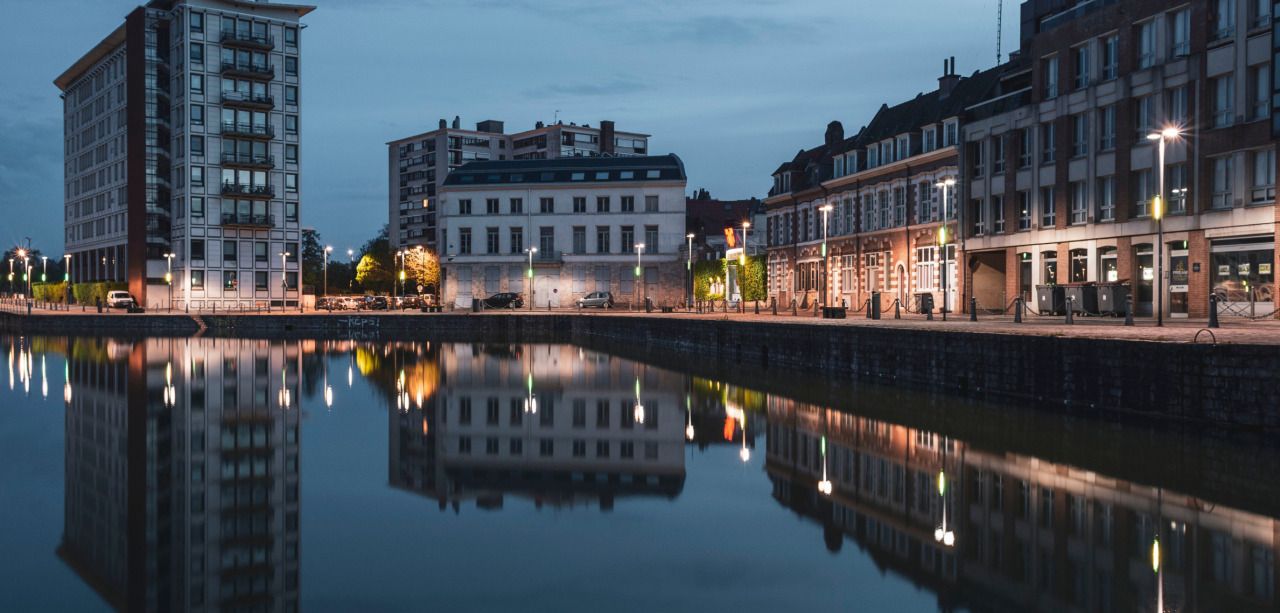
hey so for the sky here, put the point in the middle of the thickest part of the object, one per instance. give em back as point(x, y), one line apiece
point(734, 87)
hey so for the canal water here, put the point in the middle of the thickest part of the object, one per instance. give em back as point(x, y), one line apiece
point(344, 475)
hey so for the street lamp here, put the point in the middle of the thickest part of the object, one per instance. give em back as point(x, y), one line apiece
point(168, 276)
point(26, 271)
point(826, 210)
point(1157, 211)
point(44, 273)
point(66, 278)
point(529, 274)
point(688, 300)
point(943, 535)
point(945, 270)
point(284, 278)
point(324, 291)
point(639, 280)
point(824, 486)
point(351, 283)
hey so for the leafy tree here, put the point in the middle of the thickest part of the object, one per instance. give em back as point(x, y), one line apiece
point(312, 259)
point(373, 274)
point(422, 267)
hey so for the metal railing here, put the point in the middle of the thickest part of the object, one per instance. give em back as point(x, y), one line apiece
point(246, 159)
point(244, 189)
point(233, 36)
point(236, 219)
point(251, 68)
point(234, 97)
point(247, 129)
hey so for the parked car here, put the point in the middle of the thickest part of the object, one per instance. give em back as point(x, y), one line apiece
point(408, 302)
point(120, 300)
point(351, 303)
point(376, 303)
point(603, 300)
point(504, 300)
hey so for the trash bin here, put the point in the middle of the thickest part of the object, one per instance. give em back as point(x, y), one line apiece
point(833, 312)
point(1051, 300)
point(1083, 297)
point(924, 302)
point(1113, 298)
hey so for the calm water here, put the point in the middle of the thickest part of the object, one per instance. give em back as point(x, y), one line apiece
point(207, 474)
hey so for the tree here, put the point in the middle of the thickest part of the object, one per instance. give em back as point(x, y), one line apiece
point(422, 267)
point(373, 274)
point(312, 259)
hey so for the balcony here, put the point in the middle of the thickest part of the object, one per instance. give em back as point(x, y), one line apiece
point(252, 101)
point(245, 39)
point(248, 161)
point(246, 220)
point(248, 69)
point(549, 256)
point(248, 191)
point(247, 130)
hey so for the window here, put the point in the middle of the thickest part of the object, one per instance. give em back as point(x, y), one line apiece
point(1180, 33)
point(1079, 202)
point(197, 55)
point(1079, 265)
point(547, 241)
point(628, 204)
point(579, 239)
point(291, 182)
point(1264, 177)
point(516, 205)
point(1048, 208)
point(1176, 185)
point(260, 252)
point(197, 249)
point(1222, 178)
point(260, 280)
point(651, 204)
point(1110, 57)
point(291, 37)
point(950, 133)
point(1260, 92)
point(291, 211)
point(651, 239)
point(1146, 47)
point(197, 84)
point(1025, 150)
point(1107, 128)
point(197, 279)
point(1051, 77)
point(602, 204)
point(579, 204)
point(997, 154)
point(291, 124)
point(926, 268)
point(1079, 135)
point(1048, 276)
point(1024, 210)
point(229, 252)
point(1106, 198)
point(464, 241)
point(290, 66)
point(1142, 118)
point(290, 95)
point(628, 239)
point(978, 206)
point(1142, 193)
point(464, 206)
point(230, 280)
point(197, 207)
point(517, 240)
point(197, 22)
point(197, 146)
point(491, 206)
point(976, 154)
point(1177, 109)
point(1049, 143)
point(1226, 22)
point(197, 114)
point(197, 176)
point(930, 143)
point(491, 240)
point(602, 239)
point(1081, 66)
point(1224, 90)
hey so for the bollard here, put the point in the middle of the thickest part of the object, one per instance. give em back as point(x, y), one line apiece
point(1017, 310)
point(897, 309)
point(875, 306)
point(973, 309)
point(742, 308)
point(815, 308)
point(773, 302)
point(757, 307)
point(1213, 310)
point(28, 307)
point(928, 314)
point(1070, 310)
point(794, 311)
point(1128, 310)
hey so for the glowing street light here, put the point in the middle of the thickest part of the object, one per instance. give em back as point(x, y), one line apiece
point(688, 300)
point(1169, 133)
point(824, 486)
point(325, 289)
point(688, 411)
point(944, 185)
point(942, 534)
point(639, 280)
point(826, 210)
point(531, 251)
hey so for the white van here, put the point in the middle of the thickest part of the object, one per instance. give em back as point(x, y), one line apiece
point(119, 300)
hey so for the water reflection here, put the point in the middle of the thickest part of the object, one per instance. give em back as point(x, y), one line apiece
point(182, 486)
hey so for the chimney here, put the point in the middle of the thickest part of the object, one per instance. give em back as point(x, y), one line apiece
point(457, 123)
point(538, 125)
point(835, 134)
point(606, 137)
point(949, 78)
point(443, 124)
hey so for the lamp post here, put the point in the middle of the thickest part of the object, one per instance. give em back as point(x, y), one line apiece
point(324, 290)
point(639, 268)
point(1157, 212)
point(529, 273)
point(945, 269)
point(351, 283)
point(826, 276)
point(44, 273)
point(943, 535)
point(66, 277)
point(11, 276)
point(168, 276)
point(26, 272)
point(284, 279)
point(688, 298)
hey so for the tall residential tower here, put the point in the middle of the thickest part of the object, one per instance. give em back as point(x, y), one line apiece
point(181, 138)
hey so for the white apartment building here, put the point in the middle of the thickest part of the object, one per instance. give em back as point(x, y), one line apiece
point(571, 225)
point(204, 97)
point(418, 165)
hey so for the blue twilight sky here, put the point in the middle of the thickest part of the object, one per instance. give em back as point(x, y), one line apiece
point(732, 86)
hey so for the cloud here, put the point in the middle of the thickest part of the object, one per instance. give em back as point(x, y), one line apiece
point(609, 87)
point(728, 30)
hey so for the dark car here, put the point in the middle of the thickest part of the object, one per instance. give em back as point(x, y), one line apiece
point(410, 302)
point(602, 300)
point(375, 303)
point(504, 300)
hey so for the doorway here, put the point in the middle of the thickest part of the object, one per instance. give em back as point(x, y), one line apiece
point(1144, 262)
point(1178, 281)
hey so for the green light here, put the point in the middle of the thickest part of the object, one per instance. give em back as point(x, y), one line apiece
point(530, 273)
point(824, 250)
point(43, 277)
point(824, 445)
point(637, 271)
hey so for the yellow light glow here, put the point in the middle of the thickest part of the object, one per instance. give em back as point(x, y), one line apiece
point(942, 483)
point(1157, 207)
point(1155, 555)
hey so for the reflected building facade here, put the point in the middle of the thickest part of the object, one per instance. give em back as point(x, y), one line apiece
point(1025, 533)
point(182, 481)
point(556, 424)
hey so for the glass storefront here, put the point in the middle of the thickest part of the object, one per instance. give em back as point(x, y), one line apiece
point(1241, 275)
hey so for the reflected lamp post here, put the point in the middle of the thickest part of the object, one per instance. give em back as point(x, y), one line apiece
point(1157, 212)
point(942, 534)
point(824, 486)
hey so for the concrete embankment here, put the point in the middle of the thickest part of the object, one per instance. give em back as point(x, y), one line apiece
point(1221, 384)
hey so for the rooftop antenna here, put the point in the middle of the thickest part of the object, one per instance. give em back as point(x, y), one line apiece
point(557, 119)
point(999, 28)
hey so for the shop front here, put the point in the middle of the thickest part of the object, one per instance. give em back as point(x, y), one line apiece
point(1241, 276)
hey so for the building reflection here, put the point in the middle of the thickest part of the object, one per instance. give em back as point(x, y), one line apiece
point(182, 476)
point(1026, 534)
point(554, 424)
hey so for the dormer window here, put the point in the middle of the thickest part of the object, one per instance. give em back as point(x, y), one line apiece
point(873, 157)
point(950, 133)
point(904, 147)
point(838, 170)
point(930, 139)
